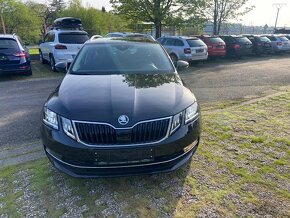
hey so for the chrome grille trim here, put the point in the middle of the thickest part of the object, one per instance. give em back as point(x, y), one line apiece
point(125, 128)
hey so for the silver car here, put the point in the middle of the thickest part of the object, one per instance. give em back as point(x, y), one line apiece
point(184, 48)
point(279, 43)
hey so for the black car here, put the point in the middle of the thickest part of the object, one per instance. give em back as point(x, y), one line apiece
point(261, 44)
point(14, 59)
point(237, 45)
point(122, 109)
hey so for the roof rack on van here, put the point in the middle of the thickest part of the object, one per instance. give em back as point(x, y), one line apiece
point(69, 23)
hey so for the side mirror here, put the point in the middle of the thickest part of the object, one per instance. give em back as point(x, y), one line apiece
point(61, 67)
point(182, 65)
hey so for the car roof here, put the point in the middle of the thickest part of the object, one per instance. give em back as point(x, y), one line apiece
point(11, 36)
point(234, 36)
point(67, 31)
point(180, 37)
point(118, 40)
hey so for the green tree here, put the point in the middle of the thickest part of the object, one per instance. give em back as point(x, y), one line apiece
point(221, 11)
point(23, 22)
point(160, 12)
point(95, 21)
point(47, 13)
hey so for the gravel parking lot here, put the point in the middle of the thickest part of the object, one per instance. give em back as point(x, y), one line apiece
point(213, 81)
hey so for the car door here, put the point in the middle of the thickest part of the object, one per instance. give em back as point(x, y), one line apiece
point(168, 44)
point(178, 48)
point(47, 45)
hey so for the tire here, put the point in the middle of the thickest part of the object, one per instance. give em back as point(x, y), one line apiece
point(174, 58)
point(52, 63)
point(42, 60)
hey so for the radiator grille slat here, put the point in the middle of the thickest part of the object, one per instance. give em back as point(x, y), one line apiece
point(103, 134)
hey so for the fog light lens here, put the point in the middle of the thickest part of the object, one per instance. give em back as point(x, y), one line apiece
point(190, 147)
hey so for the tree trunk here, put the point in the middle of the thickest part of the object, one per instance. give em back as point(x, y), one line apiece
point(3, 24)
point(219, 28)
point(215, 18)
point(158, 28)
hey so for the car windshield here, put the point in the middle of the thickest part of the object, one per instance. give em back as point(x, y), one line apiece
point(242, 39)
point(73, 38)
point(122, 57)
point(195, 42)
point(8, 44)
point(215, 40)
point(264, 39)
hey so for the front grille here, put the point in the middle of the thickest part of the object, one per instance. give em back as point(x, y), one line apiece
point(96, 133)
point(103, 134)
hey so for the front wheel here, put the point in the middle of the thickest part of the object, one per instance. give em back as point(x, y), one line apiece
point(52, 63)
point(42, 60)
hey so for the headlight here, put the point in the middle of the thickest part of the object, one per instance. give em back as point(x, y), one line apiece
point(50, 118)
point(67, 127)
point(176, 122)
point(191, 113)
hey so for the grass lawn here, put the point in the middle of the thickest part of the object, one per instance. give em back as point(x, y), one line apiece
point(38, 71)
point(34, 51)
point(241, 169)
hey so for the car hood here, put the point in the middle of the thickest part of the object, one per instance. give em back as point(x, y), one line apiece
point(103, 98)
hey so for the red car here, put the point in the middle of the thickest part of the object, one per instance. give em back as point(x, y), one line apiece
point(216, 46)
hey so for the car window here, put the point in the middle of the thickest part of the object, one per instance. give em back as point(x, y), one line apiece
point(123, 57)
point(272, 38)
point(178, 42)
point(230, 40)
point(243, 39)
point(73, 38)
point(283, 38)
point(251, 38)
point(215, 39)
point(168, 42)
point(49, 37)
point(263, 39)
point(195, 42)
point(6, 43)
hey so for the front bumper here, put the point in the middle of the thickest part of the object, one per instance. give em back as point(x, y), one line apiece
point(79, 160)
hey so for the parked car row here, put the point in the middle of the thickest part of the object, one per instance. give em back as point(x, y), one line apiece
point(64, 40)
point(201, 47)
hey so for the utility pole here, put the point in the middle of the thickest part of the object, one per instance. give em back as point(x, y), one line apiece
point(278, 6)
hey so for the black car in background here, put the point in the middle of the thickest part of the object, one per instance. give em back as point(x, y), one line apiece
point(122, 109)
point(261, 44)
point(14, 59)
point(237, 45)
